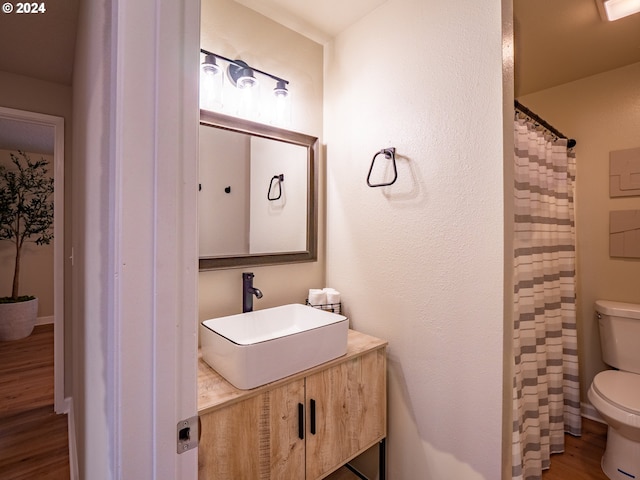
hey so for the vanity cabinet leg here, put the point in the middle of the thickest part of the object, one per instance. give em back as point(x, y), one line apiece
point(382, 463)
point(382, 459)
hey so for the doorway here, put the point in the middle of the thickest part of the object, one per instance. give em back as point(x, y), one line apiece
point(41, 133)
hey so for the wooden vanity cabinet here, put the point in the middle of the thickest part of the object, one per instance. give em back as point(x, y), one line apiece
point(254, 438)
point(301, 427)
point(350, 412)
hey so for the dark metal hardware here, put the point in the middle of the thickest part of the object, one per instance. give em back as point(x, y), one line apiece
point(382, 463)
point(240, 63)
point(248, 291)
point(312, 408)
point(279, 179)
point(382, 459)
point(389, 154)
point(356, 472)
point(227, 189)
point(300, 421)
point(528, 113)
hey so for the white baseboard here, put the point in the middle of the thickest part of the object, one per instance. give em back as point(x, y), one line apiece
point(589, 411)
point(73, 452)
point(45, 320)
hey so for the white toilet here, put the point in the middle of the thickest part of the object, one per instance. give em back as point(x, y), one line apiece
point(616, 393)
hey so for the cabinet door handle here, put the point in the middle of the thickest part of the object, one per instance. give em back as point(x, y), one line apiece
point(300, 421)
point(312, 405)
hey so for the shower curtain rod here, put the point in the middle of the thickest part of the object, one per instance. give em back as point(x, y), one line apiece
point(521, 108)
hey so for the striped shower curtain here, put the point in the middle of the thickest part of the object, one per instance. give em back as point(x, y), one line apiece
point(546, 397)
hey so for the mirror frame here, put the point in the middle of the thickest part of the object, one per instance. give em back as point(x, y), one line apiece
point(226, 122)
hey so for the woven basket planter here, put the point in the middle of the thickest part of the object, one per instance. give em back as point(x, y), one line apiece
point(17, 319)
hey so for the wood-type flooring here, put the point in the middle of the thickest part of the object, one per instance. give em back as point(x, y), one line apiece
point(33, 439)
point(582, 455)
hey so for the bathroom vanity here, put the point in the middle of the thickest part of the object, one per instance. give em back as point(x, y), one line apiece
point(305, 426)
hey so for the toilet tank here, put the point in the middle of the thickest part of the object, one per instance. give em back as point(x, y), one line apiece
point(620, 334)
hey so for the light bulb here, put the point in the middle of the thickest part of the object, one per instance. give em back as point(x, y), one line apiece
point(249, 97)
point(211, 84)
point(209, 66)
point(282, 110)
point(246, 79)
point(281, 89)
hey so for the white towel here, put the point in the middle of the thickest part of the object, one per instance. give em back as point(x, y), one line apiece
point(332, 295)
point(317, 296)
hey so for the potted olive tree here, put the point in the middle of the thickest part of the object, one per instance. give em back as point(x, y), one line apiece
point(26, 215)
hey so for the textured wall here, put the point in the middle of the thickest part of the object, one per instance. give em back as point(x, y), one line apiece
point(420, 263)
point(602, 113)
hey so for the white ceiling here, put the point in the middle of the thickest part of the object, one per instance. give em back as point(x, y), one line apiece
point(559, 41)
point(319, 20)
point(40, 45)
point(556, 41)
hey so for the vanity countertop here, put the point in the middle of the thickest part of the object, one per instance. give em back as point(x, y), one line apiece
point(215, 392)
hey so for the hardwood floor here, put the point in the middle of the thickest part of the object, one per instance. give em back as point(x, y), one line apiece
point(33, 439)
point(582, 455)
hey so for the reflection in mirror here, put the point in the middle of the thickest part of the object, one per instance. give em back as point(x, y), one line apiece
point(256, 199)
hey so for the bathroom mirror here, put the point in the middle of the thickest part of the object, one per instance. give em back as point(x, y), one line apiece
point(256, 194)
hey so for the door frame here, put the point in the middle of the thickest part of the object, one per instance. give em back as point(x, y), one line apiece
point(57, 123)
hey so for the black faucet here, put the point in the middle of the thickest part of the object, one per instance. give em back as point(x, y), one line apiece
point(248, 291)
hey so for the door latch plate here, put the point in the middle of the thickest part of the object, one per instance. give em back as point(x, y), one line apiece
point(187, 434)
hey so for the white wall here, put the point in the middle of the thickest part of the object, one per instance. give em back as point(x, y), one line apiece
point(34, 95)
point(420, 263)
point(278, 225)
point(134, 192)
point(89, 184)
point(232, 30)
point(602, 113)
point(223, 218)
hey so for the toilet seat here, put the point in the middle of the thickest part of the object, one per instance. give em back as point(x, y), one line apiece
point(621, 389)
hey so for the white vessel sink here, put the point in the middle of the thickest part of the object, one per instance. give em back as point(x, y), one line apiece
point(254, 348)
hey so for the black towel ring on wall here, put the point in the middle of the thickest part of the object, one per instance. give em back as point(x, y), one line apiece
point(389, 154)
point(278, 181)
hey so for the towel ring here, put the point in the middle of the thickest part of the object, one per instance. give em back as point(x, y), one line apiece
point(279, 179)
point(389, 154)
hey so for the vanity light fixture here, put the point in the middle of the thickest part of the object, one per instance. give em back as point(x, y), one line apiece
point(616, 9)
point(245, 102)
